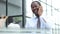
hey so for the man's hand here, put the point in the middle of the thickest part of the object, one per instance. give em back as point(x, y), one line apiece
point(40, 10)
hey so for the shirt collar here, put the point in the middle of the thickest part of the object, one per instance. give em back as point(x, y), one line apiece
point(39, 17)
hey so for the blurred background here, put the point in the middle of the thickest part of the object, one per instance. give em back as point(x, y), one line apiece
point(19, 11)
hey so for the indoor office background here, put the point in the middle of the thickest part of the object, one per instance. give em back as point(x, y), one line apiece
point(19, 11)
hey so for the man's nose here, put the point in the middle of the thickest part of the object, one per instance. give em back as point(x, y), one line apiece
point(34, 8)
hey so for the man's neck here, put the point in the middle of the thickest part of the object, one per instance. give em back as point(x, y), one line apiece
point(38, 16)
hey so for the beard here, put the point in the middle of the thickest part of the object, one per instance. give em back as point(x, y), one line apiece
point(36, 13)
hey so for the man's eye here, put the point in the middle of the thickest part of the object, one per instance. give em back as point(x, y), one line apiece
point(32, 7)
point(35, 6)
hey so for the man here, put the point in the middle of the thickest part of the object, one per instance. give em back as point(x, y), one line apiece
point(37, 9)
point(38, 21)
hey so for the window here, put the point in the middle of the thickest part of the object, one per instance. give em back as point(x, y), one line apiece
point(14, 10)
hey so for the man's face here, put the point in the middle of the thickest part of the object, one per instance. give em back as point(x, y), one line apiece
point(35, 8)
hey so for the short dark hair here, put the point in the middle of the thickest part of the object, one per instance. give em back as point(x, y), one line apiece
point(37, 2)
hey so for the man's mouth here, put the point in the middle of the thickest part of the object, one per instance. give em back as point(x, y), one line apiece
point(35, 11)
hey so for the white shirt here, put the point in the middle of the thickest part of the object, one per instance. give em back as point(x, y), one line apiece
point(32, 23)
